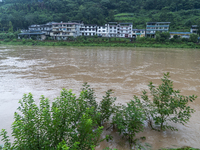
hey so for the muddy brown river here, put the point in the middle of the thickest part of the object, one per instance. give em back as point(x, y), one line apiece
point(46, 70)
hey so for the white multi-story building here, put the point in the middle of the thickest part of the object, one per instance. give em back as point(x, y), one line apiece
point(119, 29)
point(125, 30)
point(88, 30)
point(61, 31)
point(112, 29)
point(102, 31)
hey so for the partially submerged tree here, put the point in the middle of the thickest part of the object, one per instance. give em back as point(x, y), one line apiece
point(129, 121)
point(166, 105)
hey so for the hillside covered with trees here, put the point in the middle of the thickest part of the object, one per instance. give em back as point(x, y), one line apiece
point(22, 13)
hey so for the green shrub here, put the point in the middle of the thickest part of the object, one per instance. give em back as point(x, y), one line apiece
point(129, 121)
point(166, 105)
point(6, 40)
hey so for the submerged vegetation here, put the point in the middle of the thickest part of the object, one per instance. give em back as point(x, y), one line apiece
point(76, 122)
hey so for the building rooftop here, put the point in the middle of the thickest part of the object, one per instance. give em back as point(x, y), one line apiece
point(31, 33)
point(90, 25)
point(158, 22)
point(125, 23)
point(194, 25)
point(138, 29)
point(180, 32)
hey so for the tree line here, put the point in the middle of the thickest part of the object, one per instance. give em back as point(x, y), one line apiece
point(22, 13)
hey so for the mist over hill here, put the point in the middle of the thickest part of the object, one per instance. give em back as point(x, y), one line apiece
point(22, 13)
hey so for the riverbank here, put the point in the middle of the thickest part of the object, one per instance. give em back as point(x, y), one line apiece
point(103, 42)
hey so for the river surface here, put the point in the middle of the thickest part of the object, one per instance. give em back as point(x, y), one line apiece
point(46, 70)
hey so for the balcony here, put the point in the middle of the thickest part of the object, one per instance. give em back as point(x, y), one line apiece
point(157, 29)
point(157, 25)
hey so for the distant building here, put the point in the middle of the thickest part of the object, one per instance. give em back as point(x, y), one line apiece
point(31, 34)
point(153, 27)
point(119, 29)
point(138, 33)
point(194, 29)
point(102, 31)
point(180, 34)
point(45, 28)
point(88, 30)
point(62, 30)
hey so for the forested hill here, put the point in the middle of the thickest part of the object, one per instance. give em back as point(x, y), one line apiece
point(22, 13)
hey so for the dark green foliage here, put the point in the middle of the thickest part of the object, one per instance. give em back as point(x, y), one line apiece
point(22, 13)
point(67, 123)
point(162, 37)
point(166, 105)
point(106, 107)
point(193, 38)
point(129, 121)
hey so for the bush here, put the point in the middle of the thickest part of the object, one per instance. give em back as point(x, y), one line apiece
point(6, 40)
point(129, 121)
point(167, 105)
point(193, 38)
point(69, 121)
point(23, 41)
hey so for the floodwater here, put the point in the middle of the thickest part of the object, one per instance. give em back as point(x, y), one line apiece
point(46, 70)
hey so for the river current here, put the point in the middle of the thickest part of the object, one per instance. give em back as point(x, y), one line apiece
point(46, 70)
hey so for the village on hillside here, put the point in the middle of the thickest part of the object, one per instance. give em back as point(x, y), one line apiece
point(63, 30)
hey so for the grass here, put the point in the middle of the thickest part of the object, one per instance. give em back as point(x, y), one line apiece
point(103, 42)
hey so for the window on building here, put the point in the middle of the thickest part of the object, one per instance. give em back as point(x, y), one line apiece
point(104, 30)
point(64, 28)
point(110, 30)
point(114, 30)
point(99, 30)
point(114, 27)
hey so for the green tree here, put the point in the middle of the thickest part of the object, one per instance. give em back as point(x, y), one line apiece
point(162, 37)
point(106, 107)
point(10, 27)
point(166, 105)
point(69, 123)
point(193, 38)
point(129, 121)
